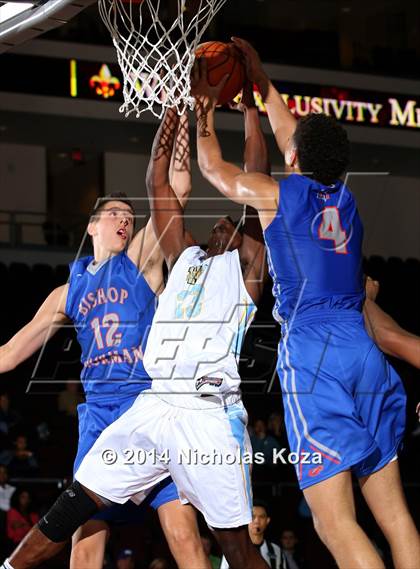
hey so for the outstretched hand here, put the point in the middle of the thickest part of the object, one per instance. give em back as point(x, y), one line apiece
point(205, 94)
point(371, 288)
point(247, 98)
point(254, 68)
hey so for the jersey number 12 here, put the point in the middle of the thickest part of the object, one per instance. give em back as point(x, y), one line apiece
point(110, 322)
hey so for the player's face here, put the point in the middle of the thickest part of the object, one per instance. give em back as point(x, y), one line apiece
point(113, 229)
point(260, 521)
point(224, 237)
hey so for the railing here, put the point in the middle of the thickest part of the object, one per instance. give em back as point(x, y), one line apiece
point(58, 483)
point(22, 228)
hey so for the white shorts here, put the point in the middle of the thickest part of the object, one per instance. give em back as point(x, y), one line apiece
point(206, 451)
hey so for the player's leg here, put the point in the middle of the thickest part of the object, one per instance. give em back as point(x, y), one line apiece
point(383, 411)
point(384, 495)
point(114, 481)
point(332, 505)
point(238, 548)
point(215, 478)
point(73, 508)
point(320, 372)
point(89, 541)
point(88, 545)
point(179, 524)
point(33, 550)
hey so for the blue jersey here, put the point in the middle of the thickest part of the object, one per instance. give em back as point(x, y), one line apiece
point(112, 308)
point(315, 249)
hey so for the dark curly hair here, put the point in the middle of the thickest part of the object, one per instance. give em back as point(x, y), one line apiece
point(322, 148)
point(262, 504)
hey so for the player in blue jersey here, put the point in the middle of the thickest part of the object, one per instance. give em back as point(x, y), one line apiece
point(226, 247)
point(343, 401)
point(110, 298)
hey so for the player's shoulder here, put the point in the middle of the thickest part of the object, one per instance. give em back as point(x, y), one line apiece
point(192, 252)
point(192, 255)
point(79, 266)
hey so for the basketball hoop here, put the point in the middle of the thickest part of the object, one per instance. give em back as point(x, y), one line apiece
point(155, 60)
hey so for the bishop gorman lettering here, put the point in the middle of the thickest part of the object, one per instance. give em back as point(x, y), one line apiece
point(102, 296)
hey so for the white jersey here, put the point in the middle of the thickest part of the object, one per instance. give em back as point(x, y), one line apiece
point(198, 328)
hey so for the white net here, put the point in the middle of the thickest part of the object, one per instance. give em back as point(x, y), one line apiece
point(156, 60)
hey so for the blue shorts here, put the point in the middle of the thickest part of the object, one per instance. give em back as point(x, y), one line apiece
point(344, 404)
point(95, 417)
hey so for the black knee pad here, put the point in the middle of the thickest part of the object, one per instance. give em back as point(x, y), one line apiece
point(71, 510)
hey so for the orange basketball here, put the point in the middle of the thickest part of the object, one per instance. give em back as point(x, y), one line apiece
point(223, 59)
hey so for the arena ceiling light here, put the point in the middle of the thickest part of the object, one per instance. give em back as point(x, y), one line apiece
point(12, 9)
point(41, 16)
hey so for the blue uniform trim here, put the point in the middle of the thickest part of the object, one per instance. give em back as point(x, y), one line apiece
point(238, 427)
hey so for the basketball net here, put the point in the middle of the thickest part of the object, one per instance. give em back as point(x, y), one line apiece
point(155, 60)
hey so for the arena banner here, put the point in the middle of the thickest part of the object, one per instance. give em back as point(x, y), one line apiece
point(101, 81)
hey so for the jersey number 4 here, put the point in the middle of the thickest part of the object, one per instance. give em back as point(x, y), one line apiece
point(332, 230)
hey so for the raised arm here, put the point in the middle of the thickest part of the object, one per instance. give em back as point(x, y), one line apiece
point(31, 337)
point(256, 159)
point(180, 168)
point(254, 189)
point(144, 249)
point(282, 122)
point(389, 336)
point(165, 208)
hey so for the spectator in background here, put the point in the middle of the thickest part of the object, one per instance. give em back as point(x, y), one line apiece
point(6, 491)
point(70, 398)
point(207, 542)
point(20, 461)
point(275, 425)
point(8, 417)
point(20, 517)
point(262, 442)
point(125, 559)
point(159, 563)
point(269, 551)
point(288, 542)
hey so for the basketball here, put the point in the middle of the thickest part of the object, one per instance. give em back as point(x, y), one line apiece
point(223, 59)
